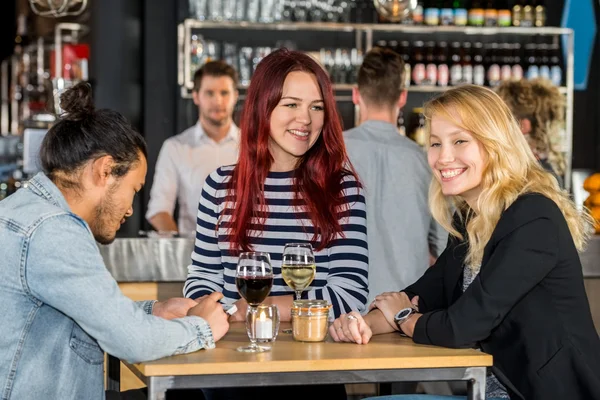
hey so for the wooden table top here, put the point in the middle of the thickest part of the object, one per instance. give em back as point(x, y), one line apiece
point(389, 351)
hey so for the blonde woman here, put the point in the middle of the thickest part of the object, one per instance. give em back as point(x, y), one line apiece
point(539, 109)
point(510, 279)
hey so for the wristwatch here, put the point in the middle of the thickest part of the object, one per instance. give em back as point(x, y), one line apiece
point(403, 315)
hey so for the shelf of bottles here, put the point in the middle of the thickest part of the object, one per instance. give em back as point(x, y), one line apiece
point(434, 66)
point(430, 17)
point(443, 42)
point(343, 14)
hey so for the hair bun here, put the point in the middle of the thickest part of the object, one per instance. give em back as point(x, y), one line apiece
point(76, 102)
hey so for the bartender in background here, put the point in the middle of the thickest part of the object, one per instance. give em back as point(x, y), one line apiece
point(187, 159)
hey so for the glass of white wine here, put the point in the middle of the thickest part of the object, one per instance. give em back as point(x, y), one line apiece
point(298, 266)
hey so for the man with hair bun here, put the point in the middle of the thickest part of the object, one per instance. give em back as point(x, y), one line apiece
point(62, 308)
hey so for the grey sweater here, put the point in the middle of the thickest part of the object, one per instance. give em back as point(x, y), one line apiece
point(401, 232)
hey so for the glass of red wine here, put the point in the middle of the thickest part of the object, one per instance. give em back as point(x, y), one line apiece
point(254, 280)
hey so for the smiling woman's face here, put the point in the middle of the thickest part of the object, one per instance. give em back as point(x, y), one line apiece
point(296, 121)
point(457, 160)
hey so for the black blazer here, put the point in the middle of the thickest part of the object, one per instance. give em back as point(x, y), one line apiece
point(527, 307)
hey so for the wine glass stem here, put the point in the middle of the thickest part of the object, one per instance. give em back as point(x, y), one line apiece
point(298, 294)
point(252, 338)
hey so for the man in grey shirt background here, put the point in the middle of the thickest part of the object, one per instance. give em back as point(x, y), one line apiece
point(402, 235)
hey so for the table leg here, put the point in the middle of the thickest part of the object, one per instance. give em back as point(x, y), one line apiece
point(157, 387)
point(114, 373)
point(476, 383)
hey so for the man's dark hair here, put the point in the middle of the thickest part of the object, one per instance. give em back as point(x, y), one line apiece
point(381, 77)
point(215, 68)
point(84, 134)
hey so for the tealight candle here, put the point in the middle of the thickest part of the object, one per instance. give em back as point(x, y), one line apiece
point(264, 326)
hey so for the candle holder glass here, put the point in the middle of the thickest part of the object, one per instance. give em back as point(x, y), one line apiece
point(262, 324)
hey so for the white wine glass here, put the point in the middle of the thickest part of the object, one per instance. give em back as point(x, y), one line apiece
point(298, 266)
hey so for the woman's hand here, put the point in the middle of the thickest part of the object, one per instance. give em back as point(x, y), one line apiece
point(390, 303)
point(240, 314)
point(351, 327)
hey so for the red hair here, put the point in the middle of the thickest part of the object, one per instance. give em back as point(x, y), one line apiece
point(319, 174)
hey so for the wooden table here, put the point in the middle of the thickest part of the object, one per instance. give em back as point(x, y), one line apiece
point(387, 358)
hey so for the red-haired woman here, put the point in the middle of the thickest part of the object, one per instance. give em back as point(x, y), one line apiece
point(293, 183)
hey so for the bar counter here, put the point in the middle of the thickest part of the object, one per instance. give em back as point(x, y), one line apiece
point(166, 259)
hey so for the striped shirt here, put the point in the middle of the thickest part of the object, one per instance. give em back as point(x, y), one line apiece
point(342, 267)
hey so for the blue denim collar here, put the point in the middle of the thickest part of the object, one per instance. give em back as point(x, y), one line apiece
point(41, 185)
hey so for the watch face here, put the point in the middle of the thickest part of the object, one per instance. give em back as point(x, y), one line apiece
point(403, 314)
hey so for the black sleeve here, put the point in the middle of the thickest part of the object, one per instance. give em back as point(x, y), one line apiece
point(430, 287)
point(520, 260)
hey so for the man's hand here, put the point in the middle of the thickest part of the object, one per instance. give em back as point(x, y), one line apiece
point(209, 309)
point(350, 327)
point(176, 307)
point(240, 314)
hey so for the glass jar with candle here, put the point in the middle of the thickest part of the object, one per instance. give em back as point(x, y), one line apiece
point(263, 323)
point(310, 320)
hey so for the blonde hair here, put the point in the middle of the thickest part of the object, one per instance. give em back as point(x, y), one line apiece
point(511, 169)
point(543, 105)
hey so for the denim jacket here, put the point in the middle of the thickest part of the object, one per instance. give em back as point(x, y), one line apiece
point(62, 309)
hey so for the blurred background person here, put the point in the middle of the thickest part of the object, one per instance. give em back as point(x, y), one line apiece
point(402, 234)
point(185, 160)
point(539, 108)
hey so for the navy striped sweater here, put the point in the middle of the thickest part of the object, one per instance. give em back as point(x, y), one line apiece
point(342, 267)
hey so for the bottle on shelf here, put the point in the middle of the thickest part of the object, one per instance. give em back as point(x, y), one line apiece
point(493, 69)
point(504, 13)
point(418, 69)
point(466, 62)
point(418, 14)
point(527, 16)
point(456, 74)
point(476, 13)
point(404, 51)
point(443, 72)
point(506, 60)
point(517, 12)
point(461, 16)
point(430, 65)
point(432, 12)
point(478, 67)
point(490, 14)
point(544, 61)
point(531, 61)
point(400, 124)
point(447, 13)
point(555, 69)
point(517, 68)
point(418, 133)
point(539, 13)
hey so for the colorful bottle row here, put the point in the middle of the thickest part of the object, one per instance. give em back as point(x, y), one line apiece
point(455, 63)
